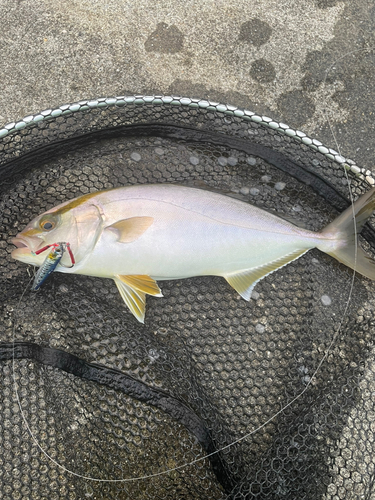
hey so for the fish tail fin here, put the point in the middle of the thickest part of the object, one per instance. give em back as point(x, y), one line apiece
point(346, 230)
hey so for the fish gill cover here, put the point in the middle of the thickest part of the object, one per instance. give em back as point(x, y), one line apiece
point(213, 397)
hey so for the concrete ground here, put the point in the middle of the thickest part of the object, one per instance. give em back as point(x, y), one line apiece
point(299, 61)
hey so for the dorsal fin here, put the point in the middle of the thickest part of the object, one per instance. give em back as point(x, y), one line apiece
point(128, 230)
point(133, 290)
point(245, 281)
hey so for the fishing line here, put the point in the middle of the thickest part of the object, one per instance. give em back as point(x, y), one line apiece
point(269, 420)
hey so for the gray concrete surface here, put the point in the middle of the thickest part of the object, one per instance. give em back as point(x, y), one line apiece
point(268, 56)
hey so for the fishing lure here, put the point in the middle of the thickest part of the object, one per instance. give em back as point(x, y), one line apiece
point(51, 262)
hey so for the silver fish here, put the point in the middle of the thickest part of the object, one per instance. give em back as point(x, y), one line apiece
point(139, 234)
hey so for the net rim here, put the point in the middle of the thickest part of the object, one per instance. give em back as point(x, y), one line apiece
point(195, 103)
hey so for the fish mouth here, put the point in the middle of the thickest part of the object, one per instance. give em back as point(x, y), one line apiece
point(31, 242)
point(25, 247)
point(19, 242)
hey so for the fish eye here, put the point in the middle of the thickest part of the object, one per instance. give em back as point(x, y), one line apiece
point(47, 225)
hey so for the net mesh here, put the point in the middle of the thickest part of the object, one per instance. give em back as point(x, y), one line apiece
point(110, 399)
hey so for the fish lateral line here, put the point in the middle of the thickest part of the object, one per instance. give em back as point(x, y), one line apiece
point(201, 212)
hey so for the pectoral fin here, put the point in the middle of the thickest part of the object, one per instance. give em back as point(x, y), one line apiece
point(133, 290)
point(245, 281)
point(128, 230)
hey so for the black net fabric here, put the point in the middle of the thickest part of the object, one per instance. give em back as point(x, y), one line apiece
point(131, 411)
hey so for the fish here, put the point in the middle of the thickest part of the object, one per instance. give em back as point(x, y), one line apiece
point(141, 234)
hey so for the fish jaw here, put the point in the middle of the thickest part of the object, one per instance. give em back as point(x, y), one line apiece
point(26, 248)
point(24, 255)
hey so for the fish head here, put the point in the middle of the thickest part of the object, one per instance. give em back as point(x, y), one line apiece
point(77, 222)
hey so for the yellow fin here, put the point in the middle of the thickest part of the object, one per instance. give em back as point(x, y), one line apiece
point(245, 281)
point(131, 229)
point(142, 283)
point(133, 290)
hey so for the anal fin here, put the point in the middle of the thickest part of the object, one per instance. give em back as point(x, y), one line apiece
point(133, 289)
point(245, 281)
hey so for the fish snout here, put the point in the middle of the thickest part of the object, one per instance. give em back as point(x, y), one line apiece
point(25, 245)
point(19, 242)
